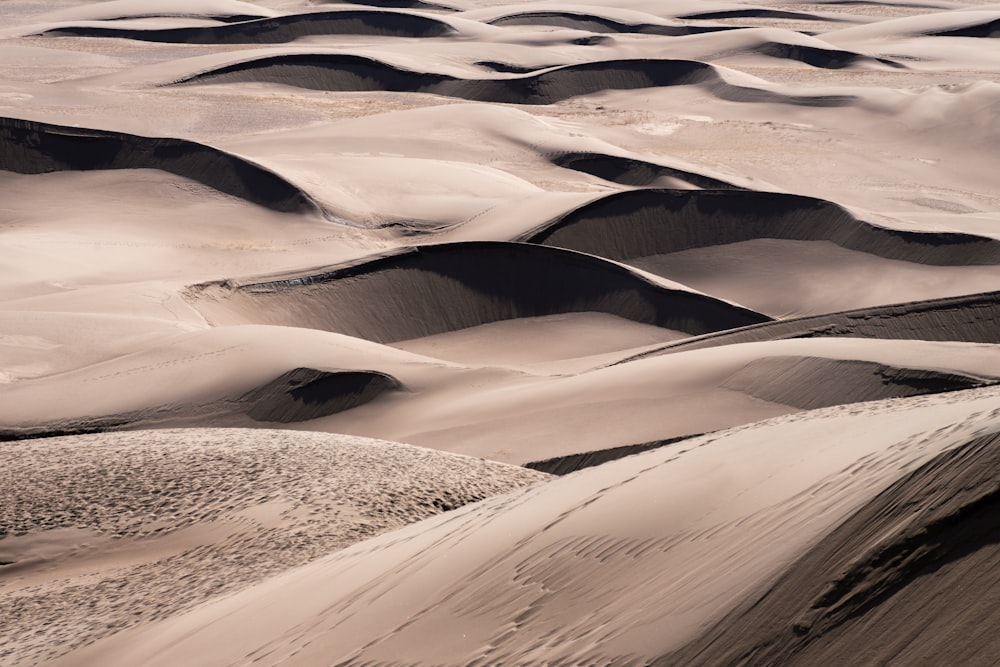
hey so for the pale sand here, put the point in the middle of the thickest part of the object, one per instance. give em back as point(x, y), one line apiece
point(619, 564)
point(520, 231)
point(101, 532)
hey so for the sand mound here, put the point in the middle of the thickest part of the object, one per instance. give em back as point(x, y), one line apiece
point(343, 72)
point(600, 24)
point(29, 147)
point(628, 225)
point(813, 382)
point(114, 10)
point(974, 318)
point(102, 532)
point(430, 290)
point(899, 569)
point(986, 29)
point(306, 393)
point(278, 29)
point(564, 465)
point(395, 4)
point(618, 564)
point(629, 171)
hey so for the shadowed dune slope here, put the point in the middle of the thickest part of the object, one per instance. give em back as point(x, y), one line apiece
point(644, 223)
point(629, 171)
point(29, 147)
point(814, 382)
point(275, 30)
point(564, 465)
point(297, 395)
point(754, 12)
point(125, 528)
point(116, 10)
point(394, 4)
point(889, 585)
point(306, 393)
point(974, 318)
point(343, 72)
point(433, 289)
point(601, 24)
point(987, 29)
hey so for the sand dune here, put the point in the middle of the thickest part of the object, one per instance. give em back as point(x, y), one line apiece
point(644, 223)
point(790, 245)
point(334, 72)
point(628, 171)
point(33, 148)
point(114, 10)
point(523, 572)
point(971, 318)
point(435, 289)
point(276, 30)
point(722, 278)
point(881, 565)
point(123, 530)
point(595, 23)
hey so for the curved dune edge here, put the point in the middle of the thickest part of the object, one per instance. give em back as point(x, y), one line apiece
point(146, 524)
point(630, 171)
point(642, 223)
point(276, 30)
point(30, 147)
point(345, 73)
point(974, 318)
point(116, 10)
point(754, 13)
point(564, 465)
point(809, 383)
point(302, 394)
point(802, 382)
point(603, 577)
point(297, 395)
point(596, 23)
point(906, 559)
point(988, 29)
point(427, 290)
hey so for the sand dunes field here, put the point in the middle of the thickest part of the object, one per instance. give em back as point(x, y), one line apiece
point(482, 333)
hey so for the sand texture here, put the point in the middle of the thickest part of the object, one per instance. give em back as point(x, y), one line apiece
point(406, 332)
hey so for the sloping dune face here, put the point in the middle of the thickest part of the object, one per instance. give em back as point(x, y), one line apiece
point(628, 562)
point(176, 517)
point(694, 307)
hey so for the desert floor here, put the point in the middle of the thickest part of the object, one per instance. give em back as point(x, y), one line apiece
point(484, 333)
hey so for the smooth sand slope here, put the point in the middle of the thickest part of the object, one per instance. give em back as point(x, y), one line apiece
point(729, 269)
point(623, 563)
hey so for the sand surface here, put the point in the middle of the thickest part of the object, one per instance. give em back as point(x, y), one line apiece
point(751, 250)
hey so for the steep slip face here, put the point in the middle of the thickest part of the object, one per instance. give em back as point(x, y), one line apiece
point(344, 73)
point(974, 318)
point(277, 30)
point(889, 585)
point(433, 289)
point(29, 147)
point(643, 223)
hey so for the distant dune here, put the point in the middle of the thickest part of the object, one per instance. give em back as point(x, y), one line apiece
point(276, 30)
point(345, 73)
point(35, 148)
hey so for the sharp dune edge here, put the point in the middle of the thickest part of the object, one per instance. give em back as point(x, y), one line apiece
point(488, 333)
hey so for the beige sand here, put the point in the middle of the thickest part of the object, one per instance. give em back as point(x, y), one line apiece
point(563, 231)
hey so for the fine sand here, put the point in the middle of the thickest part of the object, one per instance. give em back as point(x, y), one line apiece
point(473, 332)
